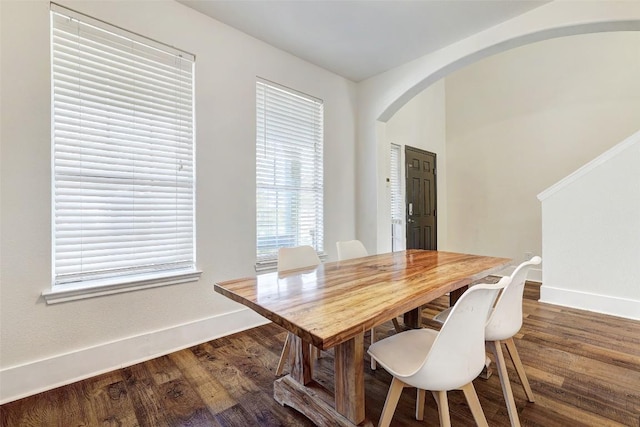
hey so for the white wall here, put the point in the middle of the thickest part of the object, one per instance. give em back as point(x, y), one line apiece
point(44, 345)
point(521, 120)
point(421, 124)
point(591, 235)
point(379, 97)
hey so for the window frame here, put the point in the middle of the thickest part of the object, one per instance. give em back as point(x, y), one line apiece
point(302, 146)
point(124, 281)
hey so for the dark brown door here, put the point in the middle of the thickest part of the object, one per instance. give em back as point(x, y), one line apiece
point(420, 172)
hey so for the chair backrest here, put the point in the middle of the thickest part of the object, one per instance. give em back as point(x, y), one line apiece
point(506, 319)
point(297, 257)
point(457, 355)
point(350, 249)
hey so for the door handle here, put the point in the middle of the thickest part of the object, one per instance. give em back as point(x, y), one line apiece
point(410, 209)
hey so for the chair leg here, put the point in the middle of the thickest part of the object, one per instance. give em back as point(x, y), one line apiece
point(374, 365)
point(474, 404)
point(443, 408)
point(496, 348)
point(396, 325)
point(515, 358)
point(395, 390)
point(420, 396)
point(486, 371)
point(284, 355)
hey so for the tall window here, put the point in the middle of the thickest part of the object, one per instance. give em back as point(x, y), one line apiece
point(397, 204)
point(123, 144)
point(289, 137)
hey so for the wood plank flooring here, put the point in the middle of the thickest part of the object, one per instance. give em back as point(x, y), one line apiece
point(584, 369)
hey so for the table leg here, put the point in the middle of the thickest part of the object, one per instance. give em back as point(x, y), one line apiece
point(413, 319)
point(349, 379)
point(345, 407)
point(455, 295)
point(300, 360)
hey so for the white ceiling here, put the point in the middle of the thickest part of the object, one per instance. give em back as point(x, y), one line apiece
point(358, 39)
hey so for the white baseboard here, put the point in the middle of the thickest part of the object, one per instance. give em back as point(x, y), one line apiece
point(620, 307)
point(25, 380)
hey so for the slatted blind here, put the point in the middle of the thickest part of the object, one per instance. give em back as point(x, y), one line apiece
point(397, 204)
point(123, 144)
point(289, 138)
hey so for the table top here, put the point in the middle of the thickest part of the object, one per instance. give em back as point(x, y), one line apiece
point(334, 302)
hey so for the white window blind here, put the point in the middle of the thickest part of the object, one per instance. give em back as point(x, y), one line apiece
point(289, 138)
point(397, 204)
point(123, 144)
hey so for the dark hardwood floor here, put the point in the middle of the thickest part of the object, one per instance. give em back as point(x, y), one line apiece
point(584, 369)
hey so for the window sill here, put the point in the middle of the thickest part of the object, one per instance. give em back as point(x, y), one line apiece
point(98, 288)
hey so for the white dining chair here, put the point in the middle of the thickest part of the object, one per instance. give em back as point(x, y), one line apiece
point(505, 321)
point(291, 259)
point(440, 361)
point(297, 257)
point(350, 249)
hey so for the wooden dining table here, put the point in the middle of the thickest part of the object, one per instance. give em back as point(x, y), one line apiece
point(332, 305)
